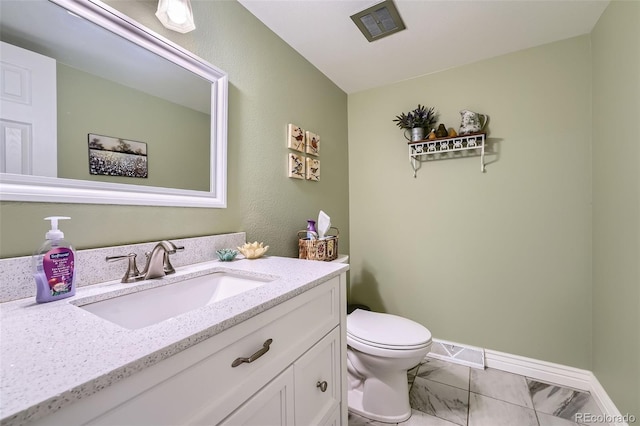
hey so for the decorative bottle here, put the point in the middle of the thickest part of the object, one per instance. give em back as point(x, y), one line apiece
point(311, 227)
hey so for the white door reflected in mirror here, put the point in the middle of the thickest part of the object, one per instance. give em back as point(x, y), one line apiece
point(27, 102)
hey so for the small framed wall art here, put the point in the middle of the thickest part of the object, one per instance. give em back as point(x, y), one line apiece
point(313, 169)
point(295, 138)
point(295, 166)
point(313, 144)
point(113, 156)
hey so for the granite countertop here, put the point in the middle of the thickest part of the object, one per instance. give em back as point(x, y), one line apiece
point(55, 353)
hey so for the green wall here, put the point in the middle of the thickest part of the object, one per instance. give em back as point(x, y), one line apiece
point(270, 85)
point(499, 259)
point(540, 255)
point(177, 137)
point(616, 203)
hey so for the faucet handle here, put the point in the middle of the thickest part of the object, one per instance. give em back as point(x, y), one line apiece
point(132, 273)
point(168, 267)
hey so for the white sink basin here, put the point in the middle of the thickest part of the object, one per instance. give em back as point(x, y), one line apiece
point(148, 307)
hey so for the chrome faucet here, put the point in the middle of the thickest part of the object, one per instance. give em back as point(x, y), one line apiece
point(158, 263)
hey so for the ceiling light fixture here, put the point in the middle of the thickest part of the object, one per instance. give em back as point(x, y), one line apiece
point(176, 15)
point(379, 20)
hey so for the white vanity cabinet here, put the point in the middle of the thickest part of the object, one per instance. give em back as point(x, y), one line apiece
point(307, 393)
point(299, 380)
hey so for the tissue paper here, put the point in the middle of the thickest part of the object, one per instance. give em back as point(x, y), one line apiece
point(324, 223)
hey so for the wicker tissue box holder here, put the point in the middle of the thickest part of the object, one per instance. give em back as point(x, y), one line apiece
point(323, 249)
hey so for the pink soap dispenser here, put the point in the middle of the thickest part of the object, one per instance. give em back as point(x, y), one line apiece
point(54, 265)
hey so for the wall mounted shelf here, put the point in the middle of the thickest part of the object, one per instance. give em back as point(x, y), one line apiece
point(441, 148)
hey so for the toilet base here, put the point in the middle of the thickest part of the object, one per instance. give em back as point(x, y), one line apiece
point(377, 388)
point(354, 397)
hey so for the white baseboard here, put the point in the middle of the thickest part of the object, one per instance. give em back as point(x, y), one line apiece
point(558, 374)
point(539, 370)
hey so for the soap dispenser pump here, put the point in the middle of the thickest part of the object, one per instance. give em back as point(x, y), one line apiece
point(54, 265)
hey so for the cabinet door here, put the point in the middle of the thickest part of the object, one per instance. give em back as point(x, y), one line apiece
point(271, 406)
point(317, 381)
point(333, 419)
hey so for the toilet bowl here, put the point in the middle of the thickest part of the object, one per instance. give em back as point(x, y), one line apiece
point(381, 348)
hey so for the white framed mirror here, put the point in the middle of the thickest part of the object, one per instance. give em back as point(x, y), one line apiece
point(188, 170)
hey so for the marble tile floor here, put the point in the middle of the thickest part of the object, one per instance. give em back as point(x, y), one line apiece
point(446, 394)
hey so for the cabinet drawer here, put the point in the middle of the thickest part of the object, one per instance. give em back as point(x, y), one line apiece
point(200, 386)
point(317, 380)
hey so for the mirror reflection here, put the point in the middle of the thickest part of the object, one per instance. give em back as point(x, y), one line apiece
point(116, 112)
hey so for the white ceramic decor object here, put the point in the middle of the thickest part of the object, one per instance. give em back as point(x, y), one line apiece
point(253, 250)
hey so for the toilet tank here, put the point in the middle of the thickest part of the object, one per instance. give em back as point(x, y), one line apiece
point(342, 258)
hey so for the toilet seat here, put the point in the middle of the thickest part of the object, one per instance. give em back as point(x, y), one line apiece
point(384, 346)
point(386, 331)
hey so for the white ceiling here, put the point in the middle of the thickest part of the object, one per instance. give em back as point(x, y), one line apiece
point(440, 34)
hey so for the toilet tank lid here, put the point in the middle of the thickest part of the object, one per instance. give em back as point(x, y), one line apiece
point(386, 329)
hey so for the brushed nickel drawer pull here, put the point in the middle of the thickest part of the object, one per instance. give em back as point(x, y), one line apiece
point(322, 385)
point(264, 350)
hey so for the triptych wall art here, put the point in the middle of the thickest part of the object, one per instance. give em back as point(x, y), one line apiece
point(299, 166)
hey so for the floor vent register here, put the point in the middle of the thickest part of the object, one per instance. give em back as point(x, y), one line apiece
point(457, 353)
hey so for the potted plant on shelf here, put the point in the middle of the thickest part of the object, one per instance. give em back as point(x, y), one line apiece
point(417, 121)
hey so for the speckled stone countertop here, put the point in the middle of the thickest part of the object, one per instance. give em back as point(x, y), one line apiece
point(55, 353)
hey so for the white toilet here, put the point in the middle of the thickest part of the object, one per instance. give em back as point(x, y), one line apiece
point(381, 349)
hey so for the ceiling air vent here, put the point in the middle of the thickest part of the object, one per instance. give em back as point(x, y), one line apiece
point(379, 20)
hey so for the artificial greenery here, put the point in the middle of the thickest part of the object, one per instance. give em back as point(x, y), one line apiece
point(420, 117)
